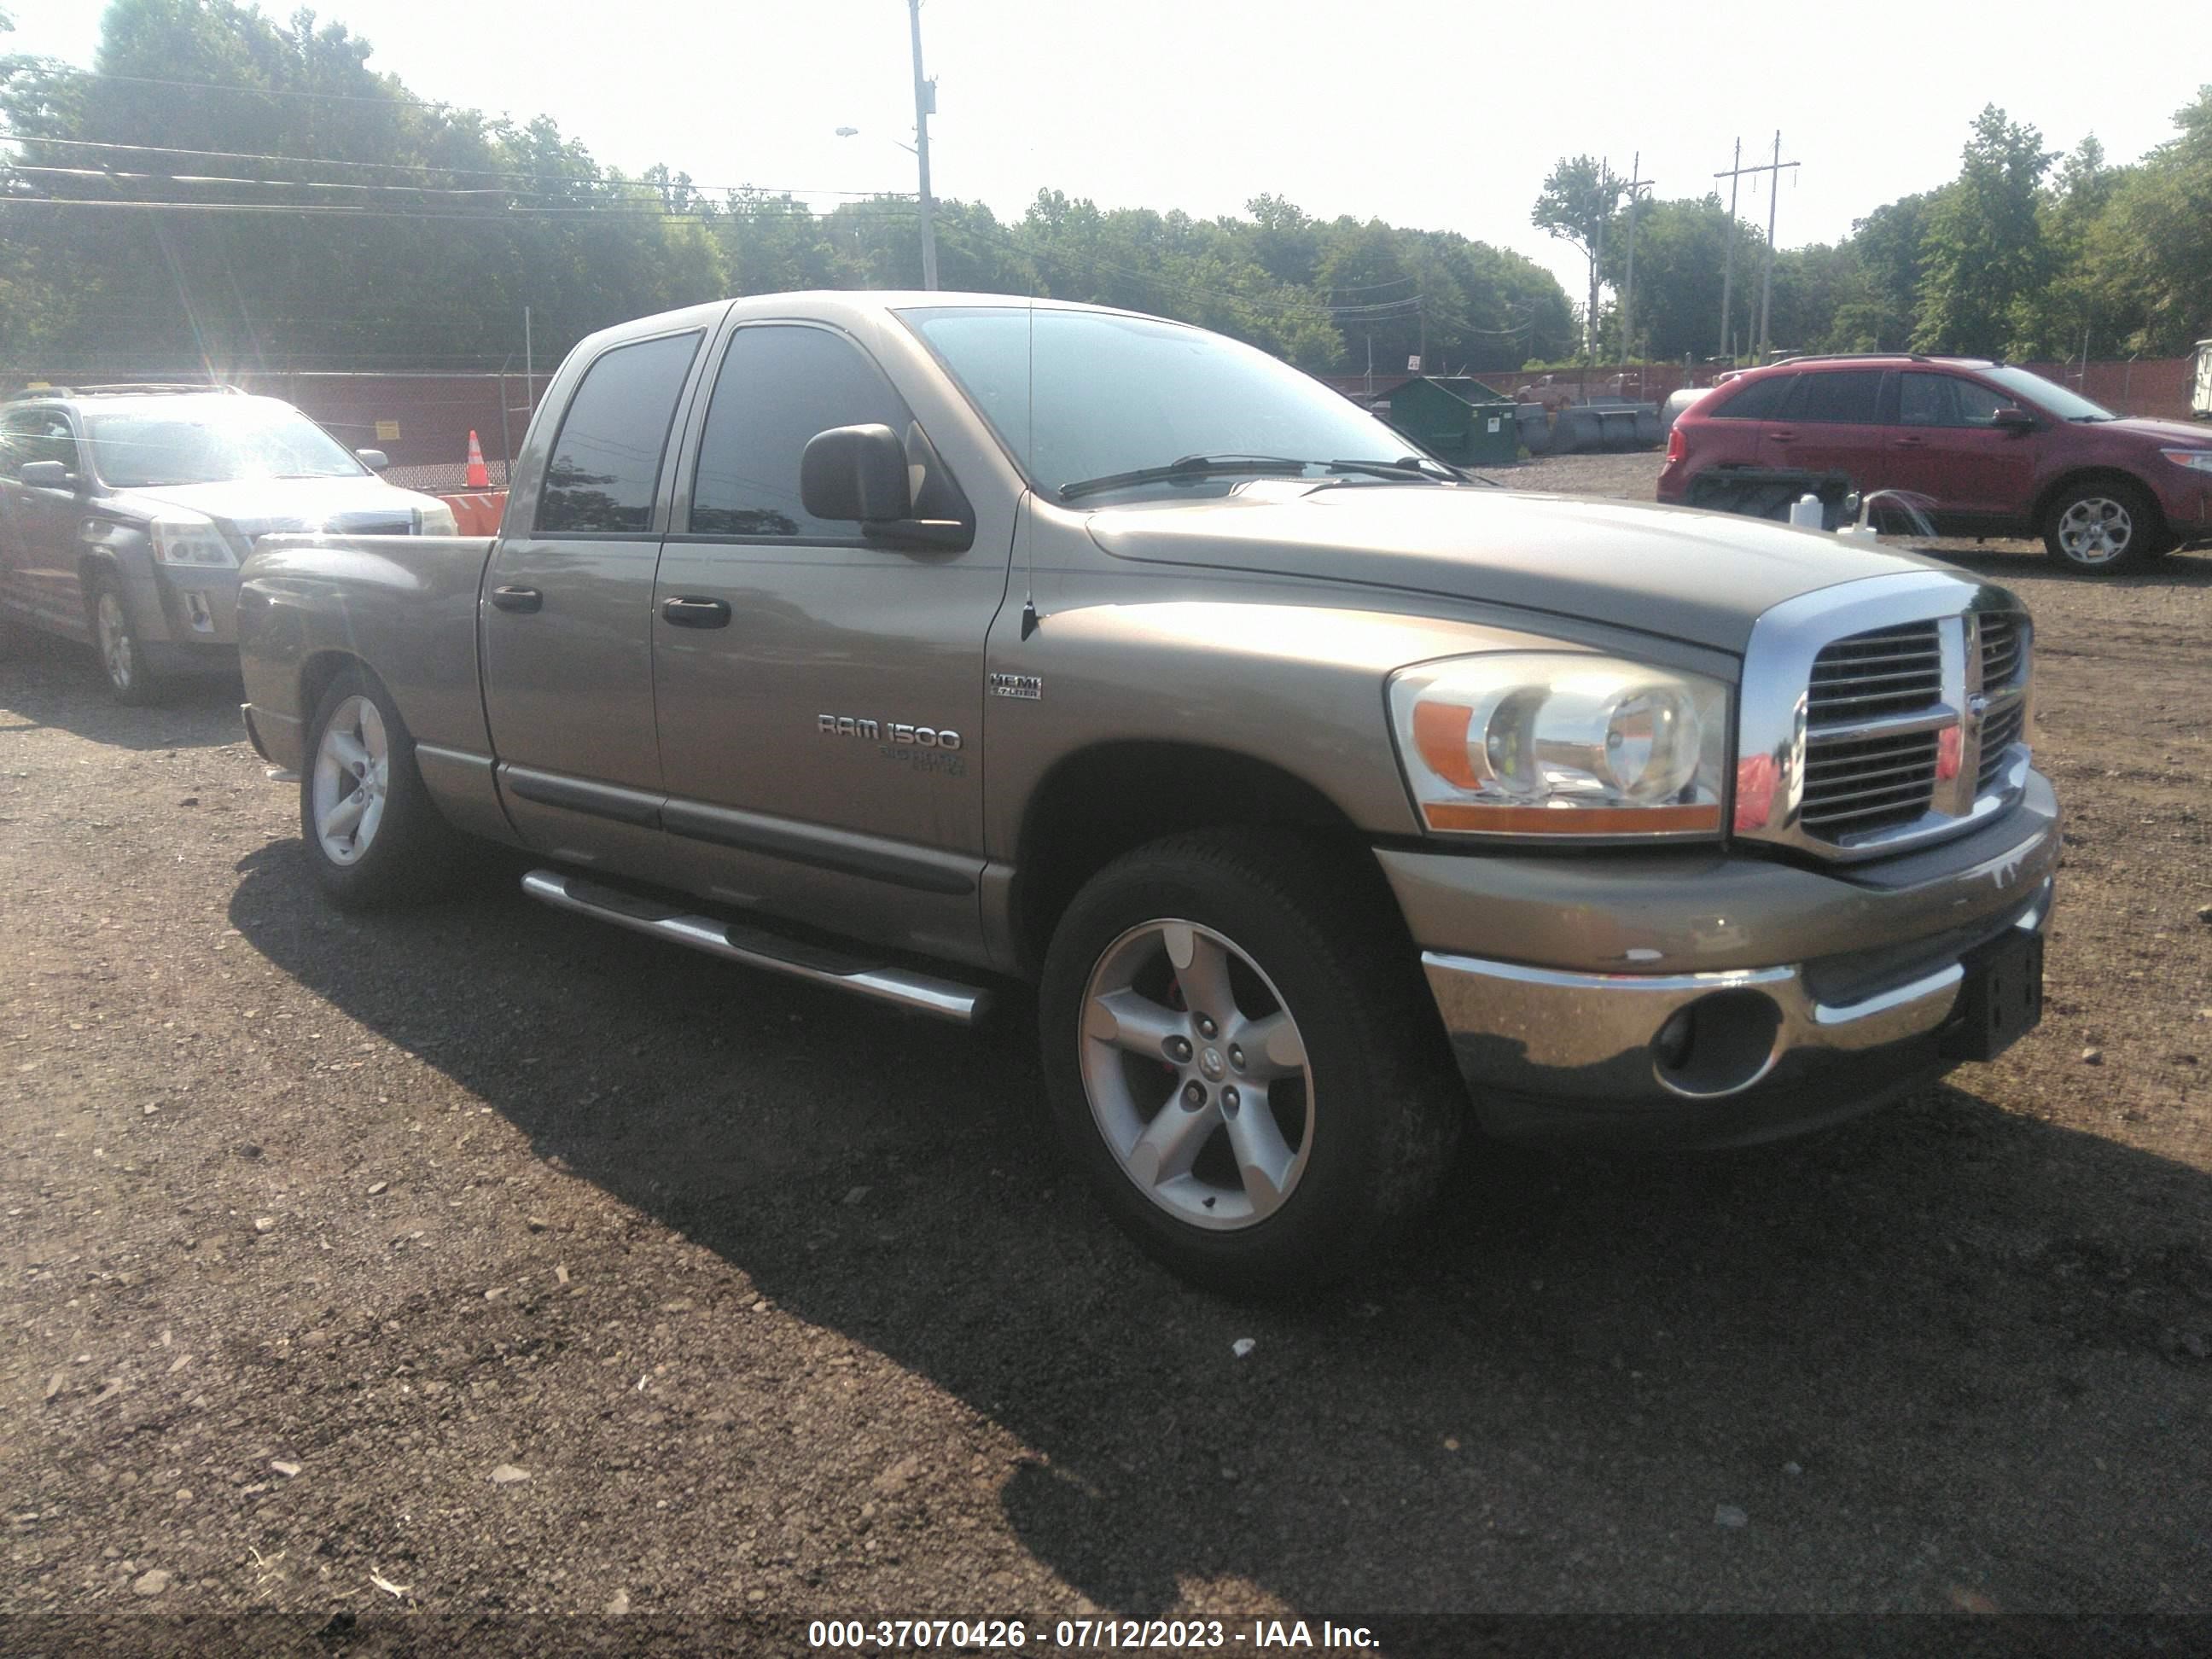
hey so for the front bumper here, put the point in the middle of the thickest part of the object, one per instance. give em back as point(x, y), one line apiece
point(1564, 1043)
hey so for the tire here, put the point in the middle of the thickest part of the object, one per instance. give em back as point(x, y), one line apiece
point(1350, 1069)
point(122, 653)
point(2103, 529)
point(393, 849)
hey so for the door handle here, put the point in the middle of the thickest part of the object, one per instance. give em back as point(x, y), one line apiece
point(524, 599)
point(697, 613)
point(1912, 443)
point(1784, 437)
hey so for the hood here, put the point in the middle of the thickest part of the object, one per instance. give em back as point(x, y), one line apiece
point(257, 506)
point(2193, 435)
point(1697, 576)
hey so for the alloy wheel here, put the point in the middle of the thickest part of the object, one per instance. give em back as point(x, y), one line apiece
point(1196, 1075)
point(353, 774)
point(2096, 530)
point(116, 654)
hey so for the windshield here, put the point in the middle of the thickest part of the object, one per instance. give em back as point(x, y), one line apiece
point(2046, 395)
point(1115, 394)
point(211, 440)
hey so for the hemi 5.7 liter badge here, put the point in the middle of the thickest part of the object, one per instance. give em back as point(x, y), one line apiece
point(1028, 687)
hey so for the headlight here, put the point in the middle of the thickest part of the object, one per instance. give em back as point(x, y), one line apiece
point(1537, 743)
point(181, 537)
point(2196, 460)
point(436, 519)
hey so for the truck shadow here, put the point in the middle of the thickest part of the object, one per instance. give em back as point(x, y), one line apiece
point(46, 681)
point(1944, 1353)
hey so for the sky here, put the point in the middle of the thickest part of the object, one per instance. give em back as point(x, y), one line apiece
point(1435, 115)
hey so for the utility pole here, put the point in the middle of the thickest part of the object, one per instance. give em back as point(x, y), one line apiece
point(1597, 260)
point(1777, 167)
point(1635, 182)
point(1727, 256)
point(925, 105)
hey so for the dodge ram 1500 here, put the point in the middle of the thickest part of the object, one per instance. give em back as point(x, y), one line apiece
point(1325, 799)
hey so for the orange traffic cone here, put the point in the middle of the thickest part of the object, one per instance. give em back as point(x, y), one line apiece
point(479, 475)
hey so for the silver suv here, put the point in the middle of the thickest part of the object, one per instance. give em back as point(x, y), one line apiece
point(125, 511)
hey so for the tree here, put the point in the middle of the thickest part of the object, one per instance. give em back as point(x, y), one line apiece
point(1878, 313)
point(1576, 204)
point(1983, 245)
point(1681, 248)
point(448, 223)
point(2148, 259)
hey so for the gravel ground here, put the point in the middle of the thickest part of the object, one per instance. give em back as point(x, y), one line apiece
point(483, 1262)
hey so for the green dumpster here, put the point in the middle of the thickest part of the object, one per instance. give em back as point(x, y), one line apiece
point(1457, 418)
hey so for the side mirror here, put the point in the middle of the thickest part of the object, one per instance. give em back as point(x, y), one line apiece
point(43, 475)
point(855, 473)
point(375, 459)
point(2013, 420)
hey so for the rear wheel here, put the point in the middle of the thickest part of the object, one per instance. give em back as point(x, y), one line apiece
point(374, 838)
point(122, 656)
point(1244, 1059)
point(2103, 527)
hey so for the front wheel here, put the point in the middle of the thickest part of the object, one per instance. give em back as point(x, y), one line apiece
point(122, 656)
point(1243, 1056)
point(374, 837)
point(2102, 528)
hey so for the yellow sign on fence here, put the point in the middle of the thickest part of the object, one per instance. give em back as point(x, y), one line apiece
point(388, 432)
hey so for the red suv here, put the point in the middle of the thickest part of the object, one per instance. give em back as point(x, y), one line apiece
point(1985, 449)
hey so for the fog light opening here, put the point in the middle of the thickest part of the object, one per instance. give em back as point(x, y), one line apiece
point(1718, 1044)
point(203, 619)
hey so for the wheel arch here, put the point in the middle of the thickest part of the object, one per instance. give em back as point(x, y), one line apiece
point(2074, 476)
point(1109, 799)
point(319, 669)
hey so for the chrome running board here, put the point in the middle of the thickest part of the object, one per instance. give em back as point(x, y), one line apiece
point(756, 947)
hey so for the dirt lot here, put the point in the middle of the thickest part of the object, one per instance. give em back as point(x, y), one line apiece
point(483, 1262)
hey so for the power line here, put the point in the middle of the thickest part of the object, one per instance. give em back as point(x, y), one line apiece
point(387, 99)
point(854, 213)
point(433, 166)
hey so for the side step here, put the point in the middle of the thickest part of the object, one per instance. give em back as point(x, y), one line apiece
point(756, 947)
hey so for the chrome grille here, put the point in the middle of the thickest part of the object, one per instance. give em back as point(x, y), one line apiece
point(1889, 671)
point(1856, 783)
point(2001, 650)
point(2001, 729)
point(1881, 714)
point(1869, 783)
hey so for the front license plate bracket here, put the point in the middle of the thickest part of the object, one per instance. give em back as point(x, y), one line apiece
point(2001, 1000)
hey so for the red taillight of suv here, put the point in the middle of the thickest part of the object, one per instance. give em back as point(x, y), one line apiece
point(1676, 448)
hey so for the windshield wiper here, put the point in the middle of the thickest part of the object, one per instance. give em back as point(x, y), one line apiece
point(1408, 466)
point(1189, 466)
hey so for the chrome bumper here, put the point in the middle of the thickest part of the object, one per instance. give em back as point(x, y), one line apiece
point(1548, 1053)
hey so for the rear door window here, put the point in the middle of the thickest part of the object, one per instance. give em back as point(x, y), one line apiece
point(1761, 400)
point(1848, 397)
point(606, 461)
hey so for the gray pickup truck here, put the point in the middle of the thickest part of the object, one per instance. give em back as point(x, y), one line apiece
point(933, 646)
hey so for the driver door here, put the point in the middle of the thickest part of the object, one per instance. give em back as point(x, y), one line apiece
point(819, 697)
point(1950, 449)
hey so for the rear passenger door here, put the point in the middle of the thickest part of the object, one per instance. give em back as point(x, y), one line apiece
point(1832, 423)
point(567, 616)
